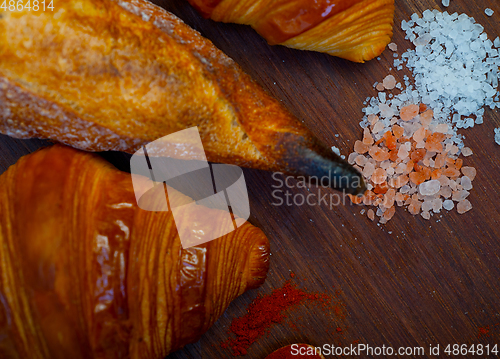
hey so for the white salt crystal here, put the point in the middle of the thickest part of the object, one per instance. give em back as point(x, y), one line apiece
point(466, 183)
point(386, 111)
point(497, 135)
point(382, 97)
point(488, 11)
point(336, 150)
point(448, 205)
point(404, 189)
point(446, 3)
point(429, 188)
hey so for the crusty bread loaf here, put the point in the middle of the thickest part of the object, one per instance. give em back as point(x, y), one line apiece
point(115, 75)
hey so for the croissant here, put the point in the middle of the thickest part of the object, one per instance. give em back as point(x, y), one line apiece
point(115, 75)
point(356, 30)
point(85, 273)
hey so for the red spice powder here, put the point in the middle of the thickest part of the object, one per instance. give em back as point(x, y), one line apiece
point(263, 312)
point(483, 331)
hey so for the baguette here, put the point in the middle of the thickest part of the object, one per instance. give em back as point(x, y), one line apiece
point(104, 75)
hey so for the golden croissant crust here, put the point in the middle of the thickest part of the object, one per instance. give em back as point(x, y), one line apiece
point(116, 75)
point(85, 273)
point(357, 30)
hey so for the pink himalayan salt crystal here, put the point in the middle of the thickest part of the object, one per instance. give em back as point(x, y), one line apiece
point(379, 126)
point(469, 172)
point(414, 207)
point(400, 181)
point(408, 112)
point(399, 197)
point(425, 215)
point(371, 214)
point(373, 119)
point(367, 137)
point(389, 213)
point(426, 206)
point(401, 167)
point(445, 181)
point(440, 160)
point(360, 147)
point(389, 198)
point(380, 87)
point(393, 47)
point(398, 131)
point(379, 176)
point(459, 196)
point(379, 154)
point(466, 151)
point(420, 144)
point(361, 160)
point(352, 157)
point(437, 204)
point(442, 128)
point(402, 152)
point(358, 168)
point(463, 206)
point(426, 117)
point(389, 82)
point(368, 170)
point(445, 192)
point(419, 135)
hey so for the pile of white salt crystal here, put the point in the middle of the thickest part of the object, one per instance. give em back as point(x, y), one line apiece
point(455, 72)
point(411, 166)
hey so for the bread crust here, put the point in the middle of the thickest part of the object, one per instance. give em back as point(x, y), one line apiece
point(116, 75)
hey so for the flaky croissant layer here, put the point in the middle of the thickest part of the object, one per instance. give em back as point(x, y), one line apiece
point(85, 273)
point(356, 30)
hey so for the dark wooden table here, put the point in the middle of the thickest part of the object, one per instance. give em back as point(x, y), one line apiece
point(410, 282)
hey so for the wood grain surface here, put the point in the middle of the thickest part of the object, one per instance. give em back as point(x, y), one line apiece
point(410, 282)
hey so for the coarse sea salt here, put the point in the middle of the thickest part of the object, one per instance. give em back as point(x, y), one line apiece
point(336, 150)
point(497, 135)
point(455, 72)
